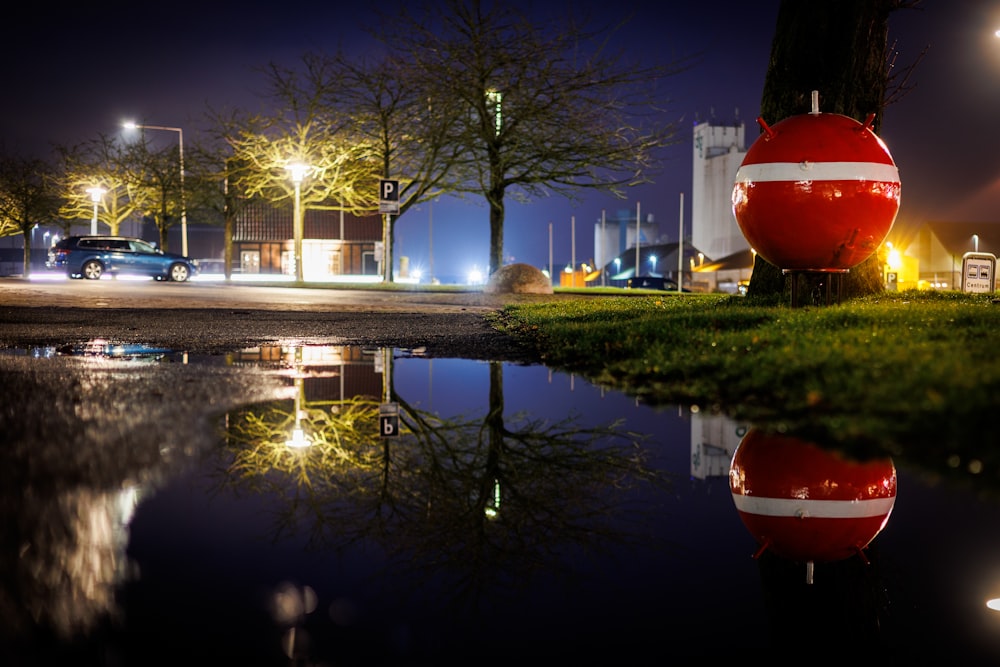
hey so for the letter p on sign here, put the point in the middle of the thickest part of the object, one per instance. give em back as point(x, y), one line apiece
point(388, 196)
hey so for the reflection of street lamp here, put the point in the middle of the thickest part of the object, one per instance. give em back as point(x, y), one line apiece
point(129, 125)
point(618, 265)
point(95, 196)
point(298, 173)
point(298, 439)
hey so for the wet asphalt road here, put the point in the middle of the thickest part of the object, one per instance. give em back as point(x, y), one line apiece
point(204, 317)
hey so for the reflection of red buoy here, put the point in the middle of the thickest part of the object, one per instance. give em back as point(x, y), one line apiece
point(808, 504)
point(816, 192)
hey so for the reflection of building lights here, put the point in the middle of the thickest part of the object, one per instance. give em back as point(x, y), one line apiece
point(493, 508)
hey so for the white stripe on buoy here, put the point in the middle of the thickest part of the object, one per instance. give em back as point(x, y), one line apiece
point(817, 171)
point(820, 509)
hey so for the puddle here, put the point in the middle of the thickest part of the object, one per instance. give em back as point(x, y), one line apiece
point(350, 504)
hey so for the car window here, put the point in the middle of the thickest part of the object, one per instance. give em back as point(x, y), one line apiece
point(143, 247)
point(119, 245)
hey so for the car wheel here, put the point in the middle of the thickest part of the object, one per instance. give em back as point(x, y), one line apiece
point(92, 270)
point(179, 273)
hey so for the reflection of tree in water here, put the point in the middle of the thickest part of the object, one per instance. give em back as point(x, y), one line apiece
point(476, 503)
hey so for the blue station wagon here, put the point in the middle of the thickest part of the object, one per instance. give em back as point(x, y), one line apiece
point(93, 256)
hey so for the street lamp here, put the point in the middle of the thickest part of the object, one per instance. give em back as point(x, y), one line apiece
point(129, 125)
point(95, 196)
point(652, 263)
point(298, 172)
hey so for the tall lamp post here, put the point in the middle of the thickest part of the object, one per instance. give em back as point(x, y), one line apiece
point(95, 196)
point(298, 172)
point(180, 143)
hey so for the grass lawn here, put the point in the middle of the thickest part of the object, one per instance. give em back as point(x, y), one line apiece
point(914, 373)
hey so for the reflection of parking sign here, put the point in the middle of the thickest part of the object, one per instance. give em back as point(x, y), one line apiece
point(388, 420)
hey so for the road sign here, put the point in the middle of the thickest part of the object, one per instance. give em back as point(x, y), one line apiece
point(388, 420)
point(978, 272)
point(388, 196)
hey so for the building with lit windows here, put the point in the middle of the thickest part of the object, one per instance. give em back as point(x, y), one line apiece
point(334, 244)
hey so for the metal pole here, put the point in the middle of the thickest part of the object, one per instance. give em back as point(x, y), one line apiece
point(638, 231)
point(184, 219)
point(386, 256)
point(297, 221)
point(551, 275)
point(93, 221)
point(680, 250)
point(604, 254)
point(572, 245)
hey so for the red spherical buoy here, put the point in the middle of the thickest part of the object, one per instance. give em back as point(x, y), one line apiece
point(816, 192)
point(806, 503)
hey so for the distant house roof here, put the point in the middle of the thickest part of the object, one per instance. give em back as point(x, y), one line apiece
point(742, 259)
point(958, 238)
point(666, 260)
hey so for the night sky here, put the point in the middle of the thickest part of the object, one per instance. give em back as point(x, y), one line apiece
point(75, 73)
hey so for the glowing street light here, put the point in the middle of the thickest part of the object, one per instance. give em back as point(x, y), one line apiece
point(299, 439)
point(95, 196)
point(652, 263)
point(129, 125)
point(298, 172)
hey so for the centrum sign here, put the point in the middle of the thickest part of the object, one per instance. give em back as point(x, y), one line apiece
point(979, 272)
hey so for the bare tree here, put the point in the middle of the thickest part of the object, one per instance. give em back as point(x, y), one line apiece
point(337, 171)
point(408, 137)
point(839, 48)
point(156, 184)
point(28, 197)
point(542, 108)
point(211, 189)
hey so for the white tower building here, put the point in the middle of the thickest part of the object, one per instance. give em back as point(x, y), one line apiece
point(718, 153)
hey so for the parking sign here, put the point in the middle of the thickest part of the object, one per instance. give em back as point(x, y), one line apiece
point(388, 196)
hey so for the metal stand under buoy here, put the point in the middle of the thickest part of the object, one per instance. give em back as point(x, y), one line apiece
point(833, 276)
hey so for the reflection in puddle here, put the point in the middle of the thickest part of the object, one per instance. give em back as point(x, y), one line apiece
point(806, 503)
point(345, 504)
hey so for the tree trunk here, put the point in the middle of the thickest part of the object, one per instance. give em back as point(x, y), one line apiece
point(27, 254)
point(496, 234)
point(839, 48)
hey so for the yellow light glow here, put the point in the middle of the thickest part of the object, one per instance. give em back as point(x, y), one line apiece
point(894, 260)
